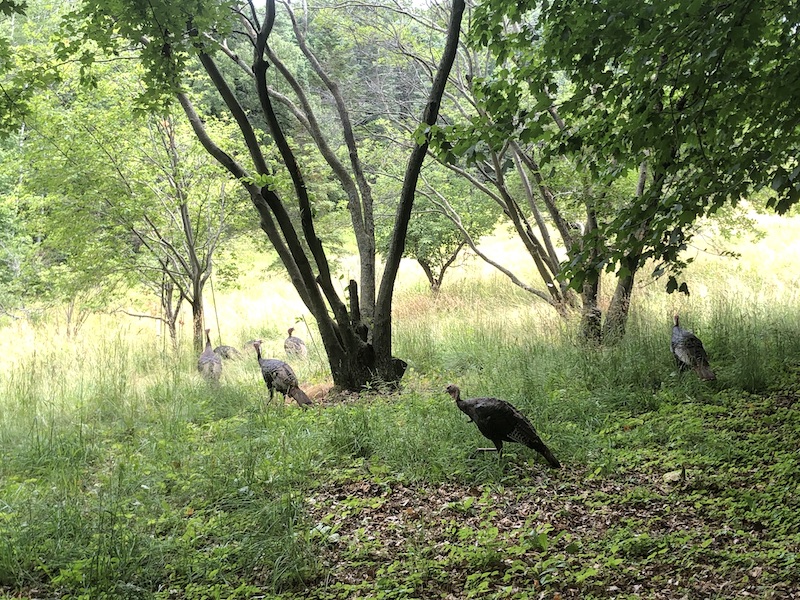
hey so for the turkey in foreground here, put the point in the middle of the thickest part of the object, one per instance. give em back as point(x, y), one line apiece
point(689, 352)
point(294, 346)
point(499, 421)
point(209, 364)
point(279, 376)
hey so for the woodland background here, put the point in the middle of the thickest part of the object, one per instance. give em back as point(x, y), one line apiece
point(514, 197)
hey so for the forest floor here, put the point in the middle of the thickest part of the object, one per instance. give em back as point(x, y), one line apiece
point(695, 501)
point(696, 495)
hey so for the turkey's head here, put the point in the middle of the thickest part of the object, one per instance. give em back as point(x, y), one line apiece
point(454, 391)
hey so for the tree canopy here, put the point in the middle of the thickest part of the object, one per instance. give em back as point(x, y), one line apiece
point(705, 94)
point(601, 133)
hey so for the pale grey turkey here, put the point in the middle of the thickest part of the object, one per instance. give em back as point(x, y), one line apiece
point(209, 364)
point(227, 352)
point(499, 421)
point(278, 375)
point(689, 352)
point(294, 346)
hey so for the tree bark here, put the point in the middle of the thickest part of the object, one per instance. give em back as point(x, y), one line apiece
point(591, 315)
point(198, 332)
point(170, 312)
point(617, 313)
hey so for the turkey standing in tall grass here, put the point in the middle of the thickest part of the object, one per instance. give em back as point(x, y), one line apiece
point(499, 421)
point(294, 346)
point(227, 352)
point(689, 352)
point(209, 364)
point(279, 376)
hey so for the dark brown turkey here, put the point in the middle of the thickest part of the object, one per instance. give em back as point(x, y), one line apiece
point(279, 376)
point(209, 364)
point(499, 421)
point(689, 352)
point(294, 346)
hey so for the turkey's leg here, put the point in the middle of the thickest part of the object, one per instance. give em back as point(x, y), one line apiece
point(479, 450)
point(498, 447)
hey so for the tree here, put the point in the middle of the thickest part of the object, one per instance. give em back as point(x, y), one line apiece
point(192, 214)
point(146, 208)
point(476, 151)
point(23, 31)
point(168, 36)
point(14, 245)
point(482, 140)
point(12, 93)
point(517, 118)
point(704, 94)
point(433, 240)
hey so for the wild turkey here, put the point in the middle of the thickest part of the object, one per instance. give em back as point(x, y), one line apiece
point(209, 364)
point(499, 421)
point(294, 346)
point(227, 352)
point(689, 352)
point(279, 376)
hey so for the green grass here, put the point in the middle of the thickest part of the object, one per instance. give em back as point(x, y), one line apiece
point(124, 475)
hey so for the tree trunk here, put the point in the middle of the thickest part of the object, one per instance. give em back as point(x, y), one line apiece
point(433, 281)
point(591, 315)
point(617, 313)
point(198, 329)
point(618, 310)
point(170, 312)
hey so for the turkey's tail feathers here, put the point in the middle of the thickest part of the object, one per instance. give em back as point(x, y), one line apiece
point(705, 373)
point(552, 460)
point(529, 437)
point(300, 397)
point(209, 368)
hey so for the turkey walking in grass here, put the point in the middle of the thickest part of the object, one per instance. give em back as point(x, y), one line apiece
point(209, 364)
point(278, 375)
point(689, 352)
point(294, 346)
point(500, 422)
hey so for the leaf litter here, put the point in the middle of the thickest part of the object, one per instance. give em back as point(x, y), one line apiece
point(642, 530)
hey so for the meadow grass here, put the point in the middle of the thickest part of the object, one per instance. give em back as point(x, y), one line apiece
point(125, 475)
